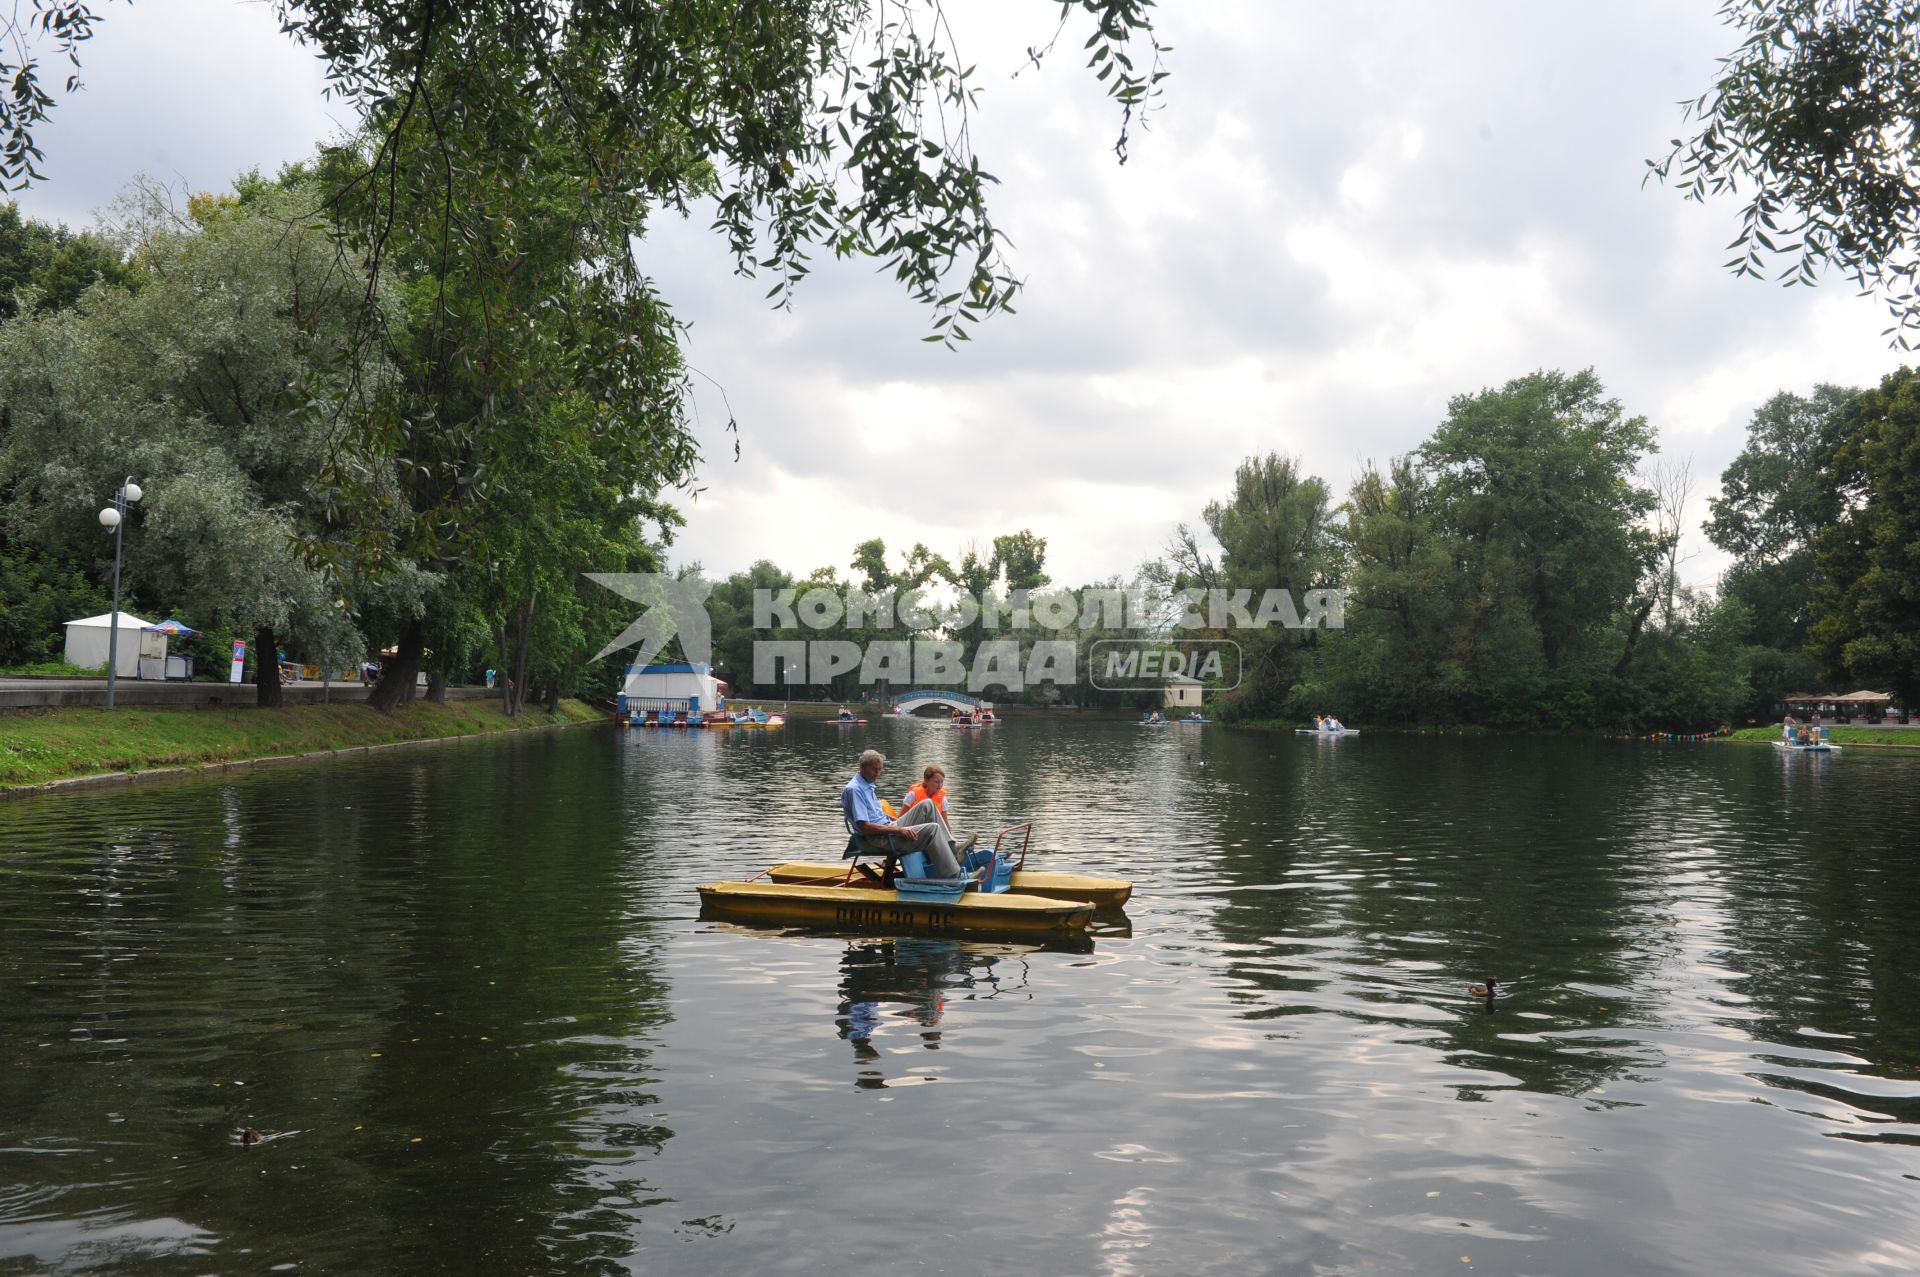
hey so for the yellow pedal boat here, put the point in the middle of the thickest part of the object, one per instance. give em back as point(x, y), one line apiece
point(865, 908)
point(1101, 893)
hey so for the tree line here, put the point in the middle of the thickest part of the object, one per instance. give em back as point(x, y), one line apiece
point(213, 352)
point(1520, 568)
point(399, 397)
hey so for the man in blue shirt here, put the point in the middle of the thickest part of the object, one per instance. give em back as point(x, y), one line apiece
point(919, 830)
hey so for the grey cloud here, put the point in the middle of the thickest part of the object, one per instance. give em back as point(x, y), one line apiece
point(1533, 126)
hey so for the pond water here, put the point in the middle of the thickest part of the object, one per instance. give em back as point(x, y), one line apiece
point(466, 997)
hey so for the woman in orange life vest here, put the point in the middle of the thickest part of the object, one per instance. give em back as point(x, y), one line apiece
point(932, 788)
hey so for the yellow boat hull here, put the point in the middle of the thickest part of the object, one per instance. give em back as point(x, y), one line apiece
point(863, 909)
point(1101, 893)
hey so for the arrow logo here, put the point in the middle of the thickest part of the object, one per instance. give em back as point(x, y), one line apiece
point(670, 606)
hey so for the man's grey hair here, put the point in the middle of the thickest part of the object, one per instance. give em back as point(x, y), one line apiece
point(872, 756)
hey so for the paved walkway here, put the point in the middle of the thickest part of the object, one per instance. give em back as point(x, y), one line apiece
point(47, 693)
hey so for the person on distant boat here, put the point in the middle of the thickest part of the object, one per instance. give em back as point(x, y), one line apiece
point(1786, 729)
point(1335, 725)
point(921, 828)
point(931, 788)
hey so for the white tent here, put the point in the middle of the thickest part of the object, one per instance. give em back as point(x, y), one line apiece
point(87, 643)
point(692, 686)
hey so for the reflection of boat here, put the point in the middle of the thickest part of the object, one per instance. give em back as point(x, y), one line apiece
point(1102, 893)
point(902, 989)
point(1315, 731)
point(1818, 747)
point(871, 908)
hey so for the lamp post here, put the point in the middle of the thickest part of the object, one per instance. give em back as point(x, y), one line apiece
point(111, 519)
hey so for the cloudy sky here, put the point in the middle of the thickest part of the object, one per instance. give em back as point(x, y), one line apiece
point(1343, 215)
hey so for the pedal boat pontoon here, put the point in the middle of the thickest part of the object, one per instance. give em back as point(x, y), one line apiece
point(1001, 896)
point(871, 908)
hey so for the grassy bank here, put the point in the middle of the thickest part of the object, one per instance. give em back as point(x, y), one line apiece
point(57, 744)
point(1899, 737)
point(54, 669)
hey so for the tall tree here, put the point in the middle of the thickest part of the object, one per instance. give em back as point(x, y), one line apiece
point(193, 384)
point(1388, 662)
point(54, 262)
point(1537, 481)
point(512, 157)
point(1274, 533)
point(1775, 498)
point(1866, 609)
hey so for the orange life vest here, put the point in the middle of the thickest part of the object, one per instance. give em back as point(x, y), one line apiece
point(919, 791)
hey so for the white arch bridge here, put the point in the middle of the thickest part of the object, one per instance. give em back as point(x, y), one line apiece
point(908, 702)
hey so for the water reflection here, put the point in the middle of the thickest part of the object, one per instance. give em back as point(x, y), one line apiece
point(467, 999)
point(903, 985)
point(371, 975)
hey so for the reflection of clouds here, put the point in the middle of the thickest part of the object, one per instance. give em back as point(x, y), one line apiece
point(1126, 1234)
point(104, 1244)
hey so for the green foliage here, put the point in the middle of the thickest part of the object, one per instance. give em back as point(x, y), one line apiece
point(1775, 497)
point(1273, 534)
point(730, 611)
point(1400, 579)
point(511, 159)
point(52, 264)
point(25, 102)
point(1693, 677)
point(558, 506)
point(819, 124)
point(1812, 120)
point(37, 597)
point(54, 669)
point(188, 384)
point(1504, 574)
point(1866, 607)
point(1022, 558)
point(1536, 482)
